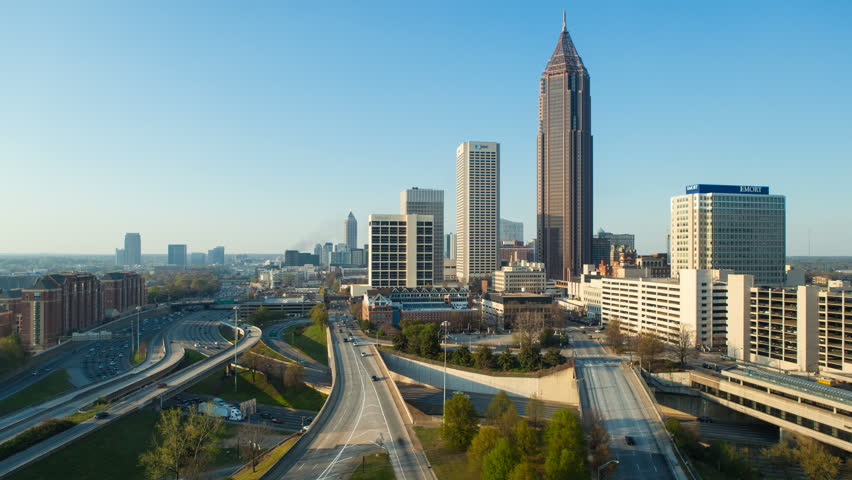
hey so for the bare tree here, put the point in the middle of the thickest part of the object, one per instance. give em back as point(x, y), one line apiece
point(614, 335)
point(649, 348)
point(251, 361)
point(598, 438)
point(249, 439)
point(183, 444)
point(294, 375)
point(684, 346)
point(527, 326)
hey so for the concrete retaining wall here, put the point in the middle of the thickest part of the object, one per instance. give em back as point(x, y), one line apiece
point(557, 387)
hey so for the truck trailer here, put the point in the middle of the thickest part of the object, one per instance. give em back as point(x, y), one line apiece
point(229, 413)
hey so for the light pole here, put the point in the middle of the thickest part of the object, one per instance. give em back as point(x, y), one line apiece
point(604, 465)
point(236, 322)
point(445, 324)
point(138, 313)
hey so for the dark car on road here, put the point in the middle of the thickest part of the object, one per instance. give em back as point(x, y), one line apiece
point(629, 440)
point(375, 378)
point(101, 415)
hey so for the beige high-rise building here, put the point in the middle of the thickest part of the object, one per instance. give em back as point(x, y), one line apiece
point(477, 210)
point(426, 201)
point(400, 251)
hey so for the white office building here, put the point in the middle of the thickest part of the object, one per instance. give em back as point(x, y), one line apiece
point(401, 251)
point(511, 231)
point(477, 210)
point(425, 201)
point(731, 227)
point(522, 277)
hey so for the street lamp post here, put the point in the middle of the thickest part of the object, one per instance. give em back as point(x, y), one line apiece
point(138, 314)
point(604, 465)
point(445, 324)
point(236, 323)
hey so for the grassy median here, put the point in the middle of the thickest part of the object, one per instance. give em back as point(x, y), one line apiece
point(374, 467)
point(447, 463)
point(267, 392)
point(311, 341)
point(53, 384)
point(261, 348)
point(266, 463)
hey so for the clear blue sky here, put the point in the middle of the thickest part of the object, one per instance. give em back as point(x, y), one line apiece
point(258, 125)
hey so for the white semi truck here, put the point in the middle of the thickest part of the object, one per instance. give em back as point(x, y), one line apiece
point(229, 413)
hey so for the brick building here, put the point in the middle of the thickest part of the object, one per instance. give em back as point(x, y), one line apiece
point(122, 291)
point(10, 311)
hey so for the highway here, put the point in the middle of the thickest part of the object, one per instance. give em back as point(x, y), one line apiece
point(360, 418)
point(607, 387)
point(315, 372)
point(132, 402)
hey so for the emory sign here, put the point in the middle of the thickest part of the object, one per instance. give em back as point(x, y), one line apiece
point(743, 189)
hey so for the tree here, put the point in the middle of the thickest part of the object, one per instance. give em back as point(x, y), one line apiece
point(459, 421)
point(816, 461)
point(483, 359)
point(548, 338)
point(553, 357)
point(499, 462)
point(501, 413)
point(482, 443)
point(183, 444)
point(614, 335)
point(249, 437)
point(649, 348)
point(430, 340)
point(731, 461)
point(524, 471)
point(355, 311)
point(529, 357)
point(525, 439)
point(782, 456)
point(562, 463)
point(565, 447)
point(400, 342)
point(294, 375)
point(535, 409)
point(683, 348)
point(319, 315)
point(506, 361)
point(251, 361)
point(598, 439)
point(527, 326)
point(12, 355)
point(461, 356)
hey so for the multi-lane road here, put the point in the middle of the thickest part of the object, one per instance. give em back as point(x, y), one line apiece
point(360, 418)
point(607, 387)
point(315, 372)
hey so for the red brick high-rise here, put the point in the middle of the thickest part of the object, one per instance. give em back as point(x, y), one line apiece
point(122, 291)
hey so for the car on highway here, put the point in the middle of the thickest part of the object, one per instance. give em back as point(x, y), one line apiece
point(162, 385)
point(276, 421)
point(363, 354)
point(705, 419)
point(305, 428)
point(101, 415)
point(375, 378)
point(629, 440)
point(265, 416)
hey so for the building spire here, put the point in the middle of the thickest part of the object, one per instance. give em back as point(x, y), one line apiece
point(564, 22)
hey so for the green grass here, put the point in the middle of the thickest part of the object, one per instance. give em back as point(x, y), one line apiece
point(374, 467)
point(87, 412)
point(267, 393)
point(53, 384)
point(267, 462)
point(190, 357)
point(312, 341)
point(32, 436)
point(261, 348)
point(140, 354)
point(111, 452)
point(447, 463)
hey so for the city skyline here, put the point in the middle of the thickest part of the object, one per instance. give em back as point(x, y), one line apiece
point(61, 126)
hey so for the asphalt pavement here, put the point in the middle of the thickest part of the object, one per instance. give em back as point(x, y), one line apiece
point(361, 419)
point(607, 387)
point(315, 372)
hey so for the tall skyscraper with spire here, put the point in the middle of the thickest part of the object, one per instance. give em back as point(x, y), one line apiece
point(564, 167)
point(350, 231)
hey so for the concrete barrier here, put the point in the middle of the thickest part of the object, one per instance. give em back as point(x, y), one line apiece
point(559, 386)
point(397, 396)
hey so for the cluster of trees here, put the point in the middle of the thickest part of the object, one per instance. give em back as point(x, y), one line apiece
point(12, 355)
point(262, 316)
point(508, 447)
point(183, 445)
point(650, 348)
point(319, 315)
point(424, 339)
point(814, 459)
point(288, 374)
point(184, 285)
